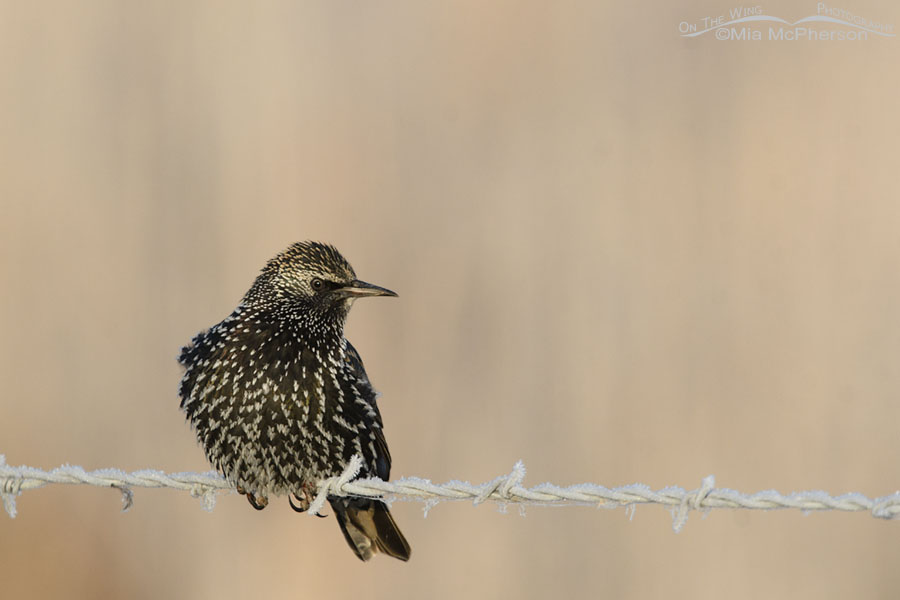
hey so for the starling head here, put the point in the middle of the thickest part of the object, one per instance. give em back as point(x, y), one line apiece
point(310, 280)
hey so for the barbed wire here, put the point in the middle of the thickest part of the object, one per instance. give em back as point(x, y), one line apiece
point(503, 490)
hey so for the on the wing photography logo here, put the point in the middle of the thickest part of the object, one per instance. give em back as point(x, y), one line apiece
point(752, 24)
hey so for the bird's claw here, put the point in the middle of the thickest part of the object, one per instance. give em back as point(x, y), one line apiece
point(304, 500)
point(304, 506)
point(257, 502)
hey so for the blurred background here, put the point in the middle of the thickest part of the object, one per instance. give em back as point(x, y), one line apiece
point(622, 256)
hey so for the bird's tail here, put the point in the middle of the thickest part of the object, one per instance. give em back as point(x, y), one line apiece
point(369, 528)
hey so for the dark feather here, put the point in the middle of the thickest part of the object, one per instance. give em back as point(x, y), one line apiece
point(369, 528)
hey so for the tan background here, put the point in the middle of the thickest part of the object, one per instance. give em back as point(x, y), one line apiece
point(621, 256)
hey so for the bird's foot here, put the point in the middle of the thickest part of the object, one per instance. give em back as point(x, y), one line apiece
point(304, 499)
point(257, 502)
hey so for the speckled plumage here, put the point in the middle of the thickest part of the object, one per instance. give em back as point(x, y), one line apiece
point(280, 399)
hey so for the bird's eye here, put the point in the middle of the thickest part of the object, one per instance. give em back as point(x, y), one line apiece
point(317, 284)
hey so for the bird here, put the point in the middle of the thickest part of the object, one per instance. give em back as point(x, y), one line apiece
point(280, 400)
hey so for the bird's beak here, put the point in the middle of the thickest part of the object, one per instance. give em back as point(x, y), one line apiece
point(358, 288)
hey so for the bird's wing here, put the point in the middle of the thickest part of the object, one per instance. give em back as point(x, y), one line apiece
point(355, 363)
point(368, 393)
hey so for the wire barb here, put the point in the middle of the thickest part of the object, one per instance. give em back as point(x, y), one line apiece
point(506, 489)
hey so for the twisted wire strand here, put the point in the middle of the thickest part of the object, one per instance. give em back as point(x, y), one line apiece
point(503, 490)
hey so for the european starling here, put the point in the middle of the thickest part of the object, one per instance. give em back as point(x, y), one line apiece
point(280, 399)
